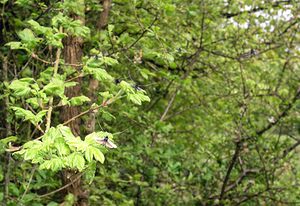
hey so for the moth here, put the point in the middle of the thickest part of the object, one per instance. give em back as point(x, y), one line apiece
point(106, 142)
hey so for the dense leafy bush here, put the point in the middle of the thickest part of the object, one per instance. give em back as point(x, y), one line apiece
point(200, 97)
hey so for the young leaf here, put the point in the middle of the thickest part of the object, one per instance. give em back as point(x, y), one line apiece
point(55, 87)
point(38, 28)
point(134, 98)
point(98, 155)
point(78, 162)
point(76, 101)
point(27, 37)
point(90, 138)
point(99, 74)
point(26, 114)
point(14, 45)
point(109, 61)
point(20, 88)
point(88, 154)
point(61, 146)
point(40, 115)
point(66, 131)
point(126, 87)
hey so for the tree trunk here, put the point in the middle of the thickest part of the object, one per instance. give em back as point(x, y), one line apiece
point(7, 131)
point(73, 55)
point(103, 21)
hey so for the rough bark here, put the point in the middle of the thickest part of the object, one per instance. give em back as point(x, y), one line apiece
point(72, 54)
point(91, 121)
point(103, 21)
point(7, 131)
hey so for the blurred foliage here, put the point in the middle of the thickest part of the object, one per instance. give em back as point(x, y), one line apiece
point(201, 97)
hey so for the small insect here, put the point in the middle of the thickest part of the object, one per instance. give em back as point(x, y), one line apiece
point(106, 142)
point(136, 87)
point(118, 81)
point(272, 120)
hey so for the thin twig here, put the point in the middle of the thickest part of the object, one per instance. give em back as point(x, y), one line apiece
point(62, 188)
point(104, 104)
point(283, 114)
point(48, 122)
point(29, 182)
point(26, 64)
point(169, 105)
point(35, 56)
point(81, 114)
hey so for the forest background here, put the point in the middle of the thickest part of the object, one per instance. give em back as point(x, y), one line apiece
point(201, 98)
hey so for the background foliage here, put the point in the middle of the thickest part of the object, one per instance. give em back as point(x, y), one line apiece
point(201, 97)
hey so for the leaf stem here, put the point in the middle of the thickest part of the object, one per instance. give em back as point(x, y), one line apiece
point(56, 63)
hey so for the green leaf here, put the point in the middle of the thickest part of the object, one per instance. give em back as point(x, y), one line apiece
point(61, 146)
point(74, 27)
point(76, 101)
point(28, 38)
point(106, 95)
point(88, 154)
point(66, 131)
point(98, 155)
point(102, 134)
point(53, 133)
point(40, 115)
point(126, 87)
point(170, 9)
point(109, 61)
point(46, 75)
point(55, 87)
point(99, 74)
point(134, 98)
point(64, 100)
point(14, 45)
point(31, 154)
point(107, 116)
point(90, 138)
point(75, 142)
point(78, 162)
point(38, 28)
point(13, 189)
point(53, 164)
point(20, 88)
point(32, 144)
point(71, 140)
point(142, 97)
point(28, 115)
point(9, 139)
point(70, 84)
point(34, 102)
point(90, 172)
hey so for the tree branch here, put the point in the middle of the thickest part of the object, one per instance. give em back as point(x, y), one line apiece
point(238, 147)
point(283, 114)
point(62, 188)
point(256, 9)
